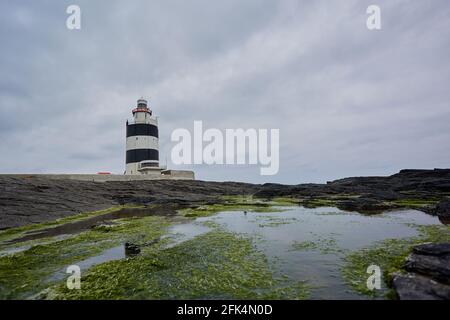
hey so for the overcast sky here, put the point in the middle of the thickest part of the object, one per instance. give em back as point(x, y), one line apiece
point(348, 101)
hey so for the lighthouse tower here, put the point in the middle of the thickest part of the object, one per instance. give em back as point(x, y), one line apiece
point(142, 142)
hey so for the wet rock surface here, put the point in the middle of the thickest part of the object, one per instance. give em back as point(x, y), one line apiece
point(34, 199)
point(365, 205)
point(412, 286)
point(428, 275)
point(430, 249)
point(132, 249)
point(104, 222)
point(443, 211)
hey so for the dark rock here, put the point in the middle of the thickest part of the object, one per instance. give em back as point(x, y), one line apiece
point(132, 199)
point(132, 249)
point(22, 202)
point(428, 274)
point(429, 209)
point(443, 211)
point(387, 195)
point(432, 249)
point(417, 287)
point(364, 205)
point(434, 263)
point(32, 199)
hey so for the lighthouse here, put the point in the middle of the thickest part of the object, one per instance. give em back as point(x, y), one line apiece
point(142, 154)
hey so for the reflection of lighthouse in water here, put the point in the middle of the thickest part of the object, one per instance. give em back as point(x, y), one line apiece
point(142, 141)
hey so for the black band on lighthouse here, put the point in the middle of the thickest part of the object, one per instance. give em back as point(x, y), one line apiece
point(138, 155)
point(142, 129)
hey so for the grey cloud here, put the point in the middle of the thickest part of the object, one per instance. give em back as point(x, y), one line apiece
point(347, 101)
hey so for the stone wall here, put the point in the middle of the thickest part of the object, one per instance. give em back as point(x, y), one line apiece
point(166, 174)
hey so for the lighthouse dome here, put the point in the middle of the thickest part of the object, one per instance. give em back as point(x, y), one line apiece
point(142, 103)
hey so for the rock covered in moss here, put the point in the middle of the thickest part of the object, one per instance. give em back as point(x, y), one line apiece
point(104, 226)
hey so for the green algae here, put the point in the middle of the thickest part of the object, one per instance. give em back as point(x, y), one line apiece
point(251, 200)
point(274, 221)
point(209, 210)
point(14, 233)
point(305, 245)
point(28, 272)
point(411, 202)
point(215, 265)
point(333, 201)
point(254, 199)
point(415, 203)
point(285, 201)
point(336, 213)
point(325, 245)
point(390, 256)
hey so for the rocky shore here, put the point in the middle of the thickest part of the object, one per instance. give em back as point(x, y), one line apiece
point(425, 273)
point(28, 200)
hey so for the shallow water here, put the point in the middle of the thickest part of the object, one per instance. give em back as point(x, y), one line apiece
point(184, 232)
point(303, 244)
point(334, 233)
point(177, 234)
point(115, 253)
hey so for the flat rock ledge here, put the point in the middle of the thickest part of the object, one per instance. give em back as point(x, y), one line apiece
point(30, 199)
point(428, 274)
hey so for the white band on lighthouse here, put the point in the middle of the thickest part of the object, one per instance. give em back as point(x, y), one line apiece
point(142, 145)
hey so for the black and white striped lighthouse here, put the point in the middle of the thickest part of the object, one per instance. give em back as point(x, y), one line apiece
point(142, 141)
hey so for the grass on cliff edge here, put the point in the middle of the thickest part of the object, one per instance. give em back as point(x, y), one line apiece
point(215, 265)
point(390, 256)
